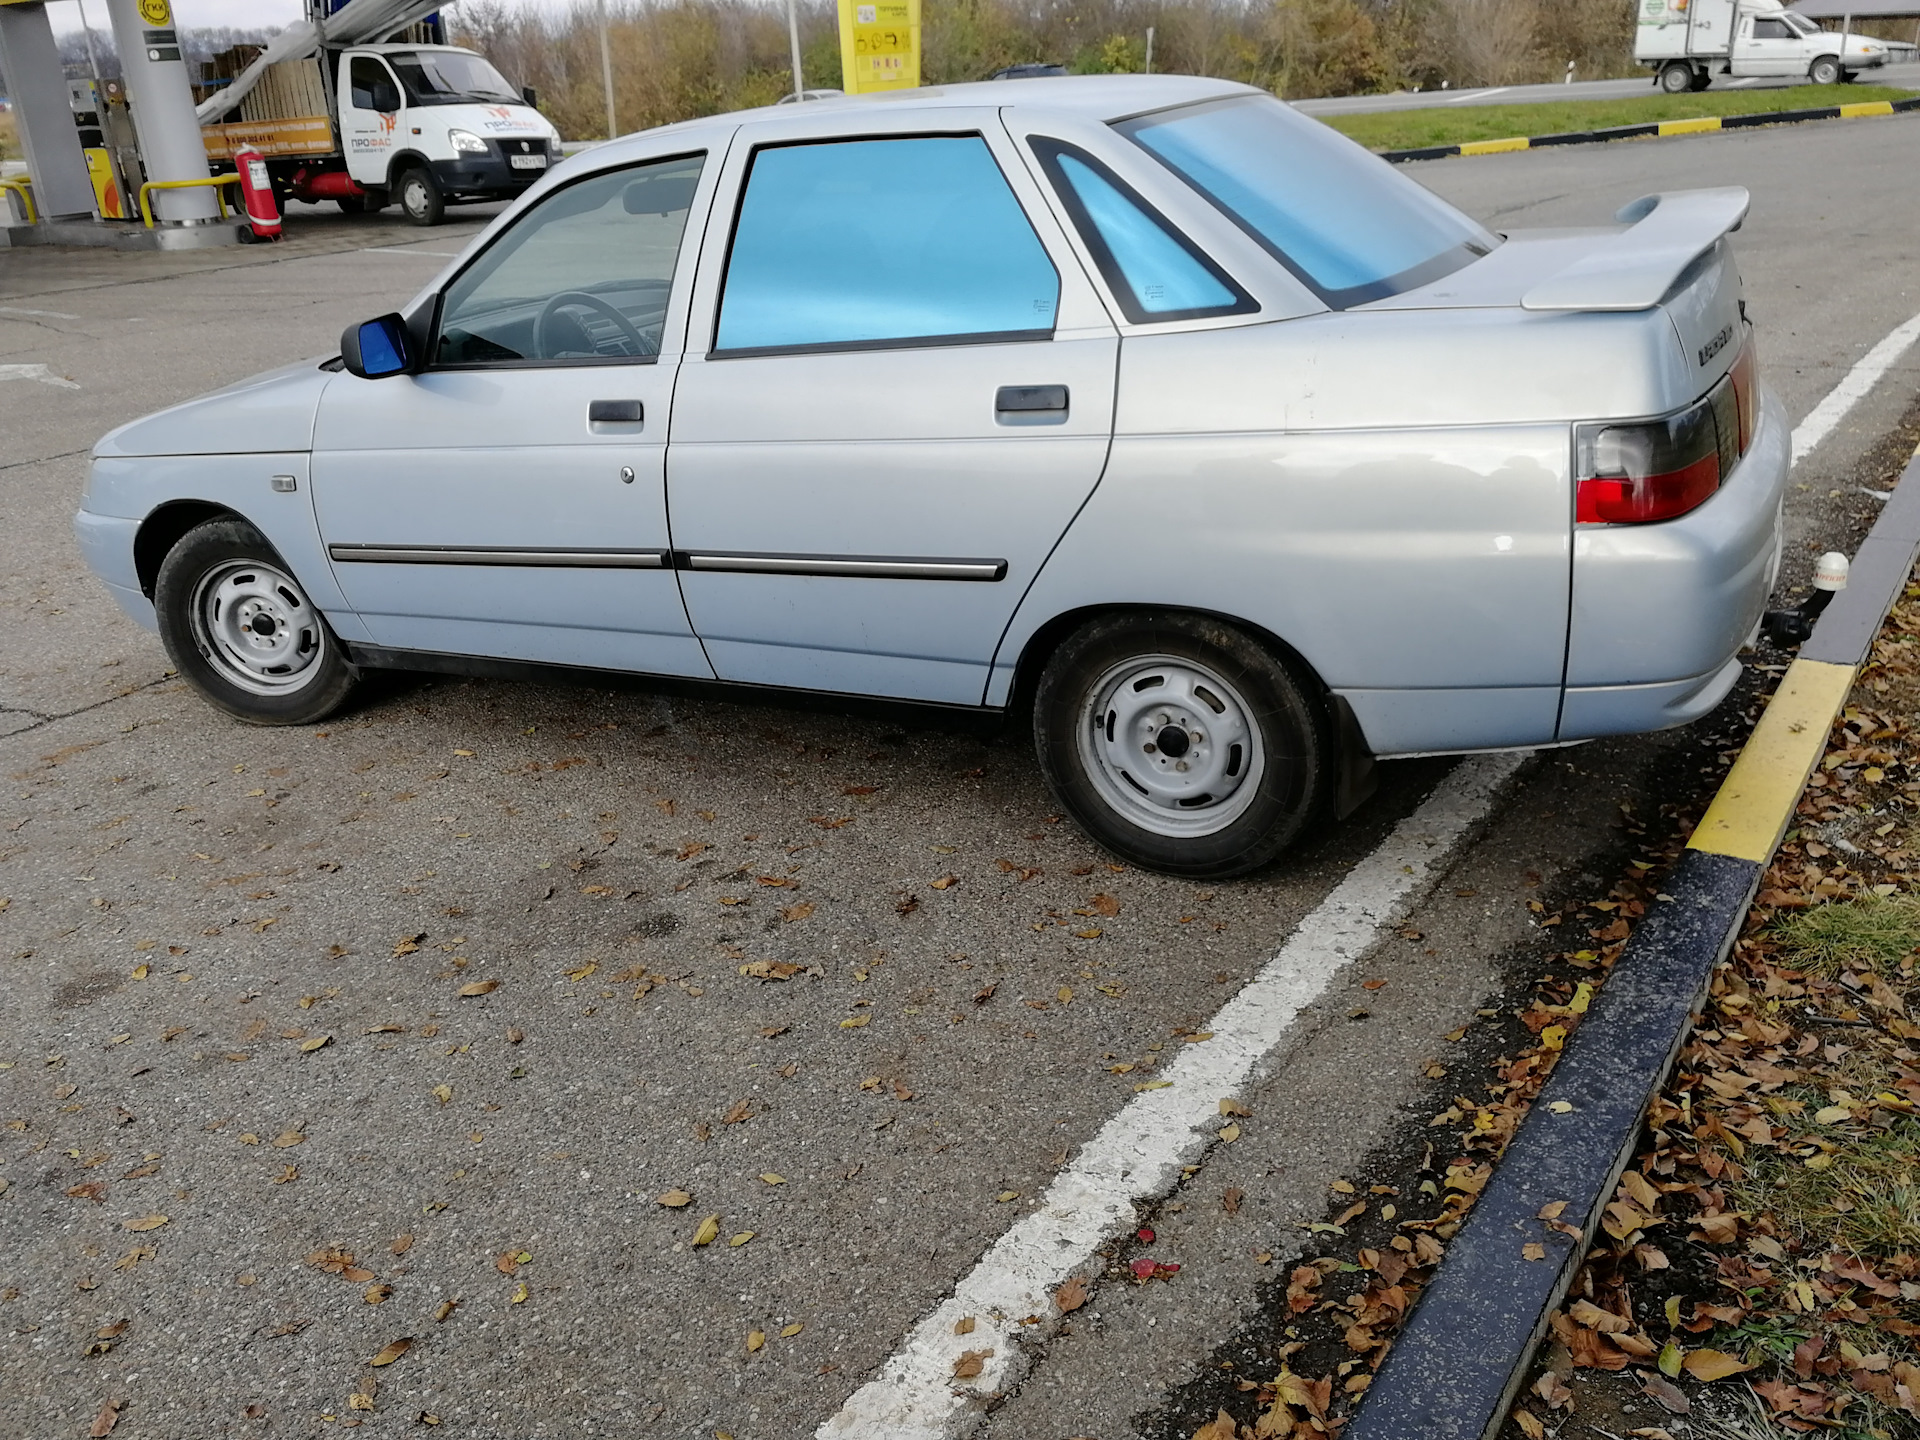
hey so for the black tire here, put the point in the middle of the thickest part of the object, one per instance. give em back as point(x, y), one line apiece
point(1702, 79)
point(1290, 761)
point(1825, 70)
point(1677, 78)
point(217, 587)
point(355, 204)
point(420, 197)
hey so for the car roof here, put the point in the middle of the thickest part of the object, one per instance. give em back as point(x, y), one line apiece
point(1099, 98)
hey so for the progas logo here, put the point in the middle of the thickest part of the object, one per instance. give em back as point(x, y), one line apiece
point(1714, 346)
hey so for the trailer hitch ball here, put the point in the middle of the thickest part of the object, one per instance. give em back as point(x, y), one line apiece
point(1786, 628)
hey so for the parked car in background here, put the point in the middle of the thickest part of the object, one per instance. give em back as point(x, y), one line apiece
point(1687, 42)
point(1037, 70)
point(1142, 410)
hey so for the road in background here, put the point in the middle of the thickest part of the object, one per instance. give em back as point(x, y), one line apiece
point(191, 904)
point(1900, 76)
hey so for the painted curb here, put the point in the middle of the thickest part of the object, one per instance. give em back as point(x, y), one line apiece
point(1703, 125)
point(1463, 1356)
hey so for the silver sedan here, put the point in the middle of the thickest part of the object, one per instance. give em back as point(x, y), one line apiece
point(1141, 407)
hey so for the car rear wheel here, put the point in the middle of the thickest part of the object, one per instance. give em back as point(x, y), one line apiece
point(1677, 78)
point(240, 629)
point(1825, 71)
point(1182, 743)
point(420, 197)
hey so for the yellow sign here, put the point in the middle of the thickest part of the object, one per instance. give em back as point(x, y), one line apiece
point(106, 194)
point(879, 45)
point(156, 12)
point(301, 135)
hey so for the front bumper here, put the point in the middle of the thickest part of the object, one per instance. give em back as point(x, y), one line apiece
point(106, 544)
point(492, 173)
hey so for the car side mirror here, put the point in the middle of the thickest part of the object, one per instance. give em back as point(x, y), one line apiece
point(527, 94)
point(376, 349)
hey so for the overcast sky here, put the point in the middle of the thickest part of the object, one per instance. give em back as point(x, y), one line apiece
point(250, 14)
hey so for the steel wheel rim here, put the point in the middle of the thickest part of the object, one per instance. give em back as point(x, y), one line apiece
point(256, 628)
point(1172, 746)
point(414, 196)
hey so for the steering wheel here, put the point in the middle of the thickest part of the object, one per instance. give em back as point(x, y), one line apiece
point(542, 326)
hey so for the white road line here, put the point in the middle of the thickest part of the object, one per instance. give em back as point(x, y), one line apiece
point(1853, 388)
point(407, 250)
point(1477, 95)
point(36, 372)
point(1138, 1154)
point(46, 314)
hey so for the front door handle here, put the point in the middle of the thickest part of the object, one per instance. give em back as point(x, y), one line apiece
point(1036, 403)
point(615, 412)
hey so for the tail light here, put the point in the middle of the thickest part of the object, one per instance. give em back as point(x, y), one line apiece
point(1658, 469)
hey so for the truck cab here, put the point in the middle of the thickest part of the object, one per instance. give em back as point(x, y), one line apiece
point(431, 125)
point(1687, 42)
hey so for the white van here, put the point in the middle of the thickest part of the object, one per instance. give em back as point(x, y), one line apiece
point(1687, 42)
point(366, 126)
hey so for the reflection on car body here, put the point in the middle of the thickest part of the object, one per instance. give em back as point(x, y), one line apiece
point(1140, 408)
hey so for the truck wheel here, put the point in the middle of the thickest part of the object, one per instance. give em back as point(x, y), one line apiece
point(1825, 71)
point(420, 197)
point(351, 204)
point(1677, 78)
point(1702, 79)
point(243, 633)
point(1182, 743)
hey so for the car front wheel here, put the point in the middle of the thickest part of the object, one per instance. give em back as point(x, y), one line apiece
point(240, 629)
point(420, 197)
point(1182, 743)
point(1825, 71)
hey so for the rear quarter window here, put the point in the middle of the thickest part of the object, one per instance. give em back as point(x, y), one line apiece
point(1345, 222)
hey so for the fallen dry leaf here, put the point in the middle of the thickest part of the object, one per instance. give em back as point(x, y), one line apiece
point(970, 1364)
point(147, 1222)
point(737, 1112)
point(1709, 1365)
point(943, 883)
point(708, 1231)
point(307, 1047)
point(1071, 1296)
point(1221, 1427)
point(674, 1199)
point(401, 1244)
point(480, 987)
point(445, 1309)
point(104, 1422)
point(964, 1325)
point(755, 1339)
point(393, 1351)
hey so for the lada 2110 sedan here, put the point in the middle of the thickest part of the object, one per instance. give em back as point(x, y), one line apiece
point(1144, 406)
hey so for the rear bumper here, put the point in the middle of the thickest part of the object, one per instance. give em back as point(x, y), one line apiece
point(1660, 611)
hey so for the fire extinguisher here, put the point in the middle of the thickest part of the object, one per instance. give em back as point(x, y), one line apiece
point(256, 186)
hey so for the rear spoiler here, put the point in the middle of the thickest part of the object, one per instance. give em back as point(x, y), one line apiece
point(1636, 268)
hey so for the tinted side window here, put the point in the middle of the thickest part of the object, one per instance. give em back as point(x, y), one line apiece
point(1154, 271)
point(367, 77)
point(1771, 30)
point(582, 277)
point(867, 242)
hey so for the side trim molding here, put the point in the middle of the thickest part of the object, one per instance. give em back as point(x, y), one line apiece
point(868, 567)
point(497, 555)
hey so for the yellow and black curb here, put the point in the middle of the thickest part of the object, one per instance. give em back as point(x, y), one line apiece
point(1655, 128)
point(1464, 1354)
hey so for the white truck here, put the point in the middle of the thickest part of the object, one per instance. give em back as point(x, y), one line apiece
point(1688, 42)
point(369, 125)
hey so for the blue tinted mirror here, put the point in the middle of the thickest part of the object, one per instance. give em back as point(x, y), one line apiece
point(376, 348)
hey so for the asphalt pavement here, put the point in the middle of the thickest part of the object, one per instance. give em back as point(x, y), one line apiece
point(848, 984)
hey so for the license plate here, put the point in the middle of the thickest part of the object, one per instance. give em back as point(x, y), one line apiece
point(528, 162)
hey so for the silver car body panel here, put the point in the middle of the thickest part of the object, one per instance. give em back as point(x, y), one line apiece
point(1386, 490)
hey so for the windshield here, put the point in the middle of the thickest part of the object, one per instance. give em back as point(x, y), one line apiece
point(1801, 23)
point(1346, 223)
point(450, 77)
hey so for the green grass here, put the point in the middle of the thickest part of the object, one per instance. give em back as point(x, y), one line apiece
point(1871, 934)
point(1455, 124)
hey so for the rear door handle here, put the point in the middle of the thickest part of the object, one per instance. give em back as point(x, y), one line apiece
point(1034, 401)
point(615, 412)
